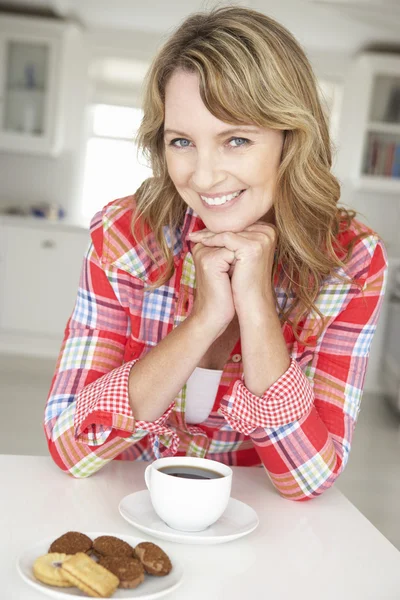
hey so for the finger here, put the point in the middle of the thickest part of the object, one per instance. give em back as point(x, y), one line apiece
point(200, 250)
point(231, 241)
point(259, 226)
point(198, 234)
point(227, 255)
point(236, 241)
point(256, 236)
point(262, 227)
point(253, 235)
point(266, 234)
point(221, 259)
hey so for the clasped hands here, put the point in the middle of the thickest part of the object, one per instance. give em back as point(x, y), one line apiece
point(245, 259)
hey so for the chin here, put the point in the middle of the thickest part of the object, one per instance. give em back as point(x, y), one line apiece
point(221, 225)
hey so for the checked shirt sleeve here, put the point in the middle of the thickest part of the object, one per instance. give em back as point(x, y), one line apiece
point(103, 407)
point(287, 400)
point(302, 427)
point(88, 419)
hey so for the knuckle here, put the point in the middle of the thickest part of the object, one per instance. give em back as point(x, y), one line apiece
point(205, 257)
point(273, 233)
point(258, 248)
point(224, 237)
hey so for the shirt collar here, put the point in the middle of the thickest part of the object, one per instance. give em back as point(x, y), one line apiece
point(191, 223)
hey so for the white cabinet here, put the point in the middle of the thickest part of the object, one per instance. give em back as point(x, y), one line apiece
point(369, 133)
point(32, 82)
point(39, 272)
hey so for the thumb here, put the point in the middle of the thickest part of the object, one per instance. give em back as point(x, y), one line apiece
point(232, 268)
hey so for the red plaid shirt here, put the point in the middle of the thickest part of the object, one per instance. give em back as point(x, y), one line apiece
point(300, 429)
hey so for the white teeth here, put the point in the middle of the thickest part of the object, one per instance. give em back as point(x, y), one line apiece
point(220, 199)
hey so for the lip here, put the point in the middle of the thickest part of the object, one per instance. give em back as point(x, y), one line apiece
point(222, 206)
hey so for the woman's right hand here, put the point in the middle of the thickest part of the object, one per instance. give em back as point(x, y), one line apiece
point(213, 303)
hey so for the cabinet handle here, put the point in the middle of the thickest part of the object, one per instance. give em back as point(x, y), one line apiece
point(48, 244)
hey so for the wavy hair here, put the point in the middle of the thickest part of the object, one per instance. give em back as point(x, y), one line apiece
point(252, 71)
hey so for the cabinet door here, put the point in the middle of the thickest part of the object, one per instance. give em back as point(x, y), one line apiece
point(29, 90)
point(40, 276)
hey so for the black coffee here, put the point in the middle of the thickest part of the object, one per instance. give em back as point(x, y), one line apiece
point(190, 472)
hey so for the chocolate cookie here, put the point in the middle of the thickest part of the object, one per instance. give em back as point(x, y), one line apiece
point(108, 545)
point(153, 559)
point(71, 543)
point(129, 571)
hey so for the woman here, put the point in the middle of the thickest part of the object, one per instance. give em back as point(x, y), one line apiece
point(226, 310)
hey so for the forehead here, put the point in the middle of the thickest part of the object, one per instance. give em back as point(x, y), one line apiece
point(182, 80)
point(184, 108)
point(182, 97)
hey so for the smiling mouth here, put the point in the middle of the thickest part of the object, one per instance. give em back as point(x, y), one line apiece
point(221, 200)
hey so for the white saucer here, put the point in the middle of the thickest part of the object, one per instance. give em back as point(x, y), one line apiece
point(238, 520)
point(152, 587)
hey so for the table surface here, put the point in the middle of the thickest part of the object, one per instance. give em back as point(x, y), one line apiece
point(324, 548)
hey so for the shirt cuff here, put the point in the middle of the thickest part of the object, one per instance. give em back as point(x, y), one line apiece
point(103, 406)
point(286, 401)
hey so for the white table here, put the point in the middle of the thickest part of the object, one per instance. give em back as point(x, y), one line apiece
point(322, 549)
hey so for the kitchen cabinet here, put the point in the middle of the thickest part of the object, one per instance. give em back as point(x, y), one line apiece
point(39, 268)
point(33, 54)
point(370, 124)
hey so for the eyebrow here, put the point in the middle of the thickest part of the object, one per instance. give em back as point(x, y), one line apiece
point(248, 128)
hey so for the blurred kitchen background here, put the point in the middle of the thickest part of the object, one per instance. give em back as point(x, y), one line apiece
point(70, 82)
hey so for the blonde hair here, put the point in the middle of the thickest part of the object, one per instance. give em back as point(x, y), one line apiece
point(252, 70)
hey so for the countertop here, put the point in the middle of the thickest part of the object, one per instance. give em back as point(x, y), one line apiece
point(324, 548)
point(41, 223)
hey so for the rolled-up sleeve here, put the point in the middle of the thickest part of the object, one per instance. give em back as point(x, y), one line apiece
point(287, 400)
point(103, 406)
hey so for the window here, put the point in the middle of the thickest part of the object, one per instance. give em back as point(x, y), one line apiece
point(113, 168)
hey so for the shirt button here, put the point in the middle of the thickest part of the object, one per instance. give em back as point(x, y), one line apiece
point(237, 357)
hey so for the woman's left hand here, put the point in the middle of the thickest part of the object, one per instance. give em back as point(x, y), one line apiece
point(254, 249)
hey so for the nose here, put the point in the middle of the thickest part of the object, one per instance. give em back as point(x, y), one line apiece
point(207, 171)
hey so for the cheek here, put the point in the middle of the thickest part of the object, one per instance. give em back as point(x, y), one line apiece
point(261, 177)
point(267, 172)
point(178, 169)
point(261, 168)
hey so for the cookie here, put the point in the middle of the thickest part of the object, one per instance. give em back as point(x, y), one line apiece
point(153, 559)
point(47, 569)
point(71, 543)
point(108, 545)
point(129, 571)
point(90, 577)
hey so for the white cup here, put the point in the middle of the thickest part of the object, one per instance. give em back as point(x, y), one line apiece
point(188, 504)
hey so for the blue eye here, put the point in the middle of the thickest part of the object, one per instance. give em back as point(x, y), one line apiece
point(173, 142)
point(244, 140)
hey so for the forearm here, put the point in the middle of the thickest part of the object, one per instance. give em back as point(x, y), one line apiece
point(264, 352)
point(156, 379)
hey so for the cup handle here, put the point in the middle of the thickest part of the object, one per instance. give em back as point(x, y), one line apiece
point(147, 476)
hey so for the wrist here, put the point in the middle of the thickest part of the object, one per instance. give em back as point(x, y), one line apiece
point(256, 307)
point(202, 326)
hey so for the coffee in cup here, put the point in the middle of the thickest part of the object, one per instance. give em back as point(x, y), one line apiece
point(189, 494)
